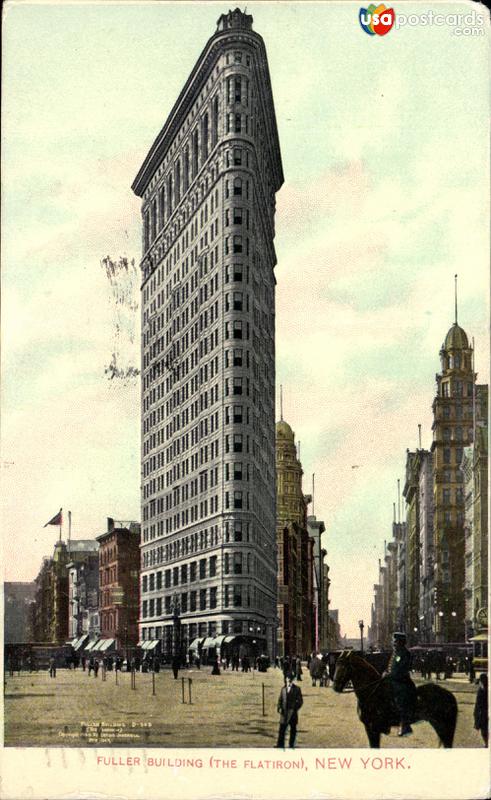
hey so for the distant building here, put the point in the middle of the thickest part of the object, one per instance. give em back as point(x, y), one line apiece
point(295, 550)
point(334, 630)
point(83, 594)
point(316, 528)
point(411, 493)
point(119, 561)
point(426, 548)
point(18, 601)
point(51, 610)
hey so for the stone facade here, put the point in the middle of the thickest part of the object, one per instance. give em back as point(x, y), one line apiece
point(208, 189)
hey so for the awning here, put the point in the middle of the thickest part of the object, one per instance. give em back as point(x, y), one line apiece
point(91, 645)
point(81, 641)
point(219, 641)
point(141, 643)
point(210, 641)
point(195, 645)
point(152, 645)
point(481, 637)
point(105, 644)
point(72, 642)
point(229, 639)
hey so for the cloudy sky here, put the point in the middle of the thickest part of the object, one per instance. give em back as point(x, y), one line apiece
point(384, 143)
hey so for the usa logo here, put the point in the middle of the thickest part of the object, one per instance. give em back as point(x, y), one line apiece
point(377, 20)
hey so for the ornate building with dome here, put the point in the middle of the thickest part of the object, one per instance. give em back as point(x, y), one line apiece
point(453, 424)
point(296, 613)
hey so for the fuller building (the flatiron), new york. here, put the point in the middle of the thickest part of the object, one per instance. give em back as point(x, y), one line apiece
point(208, 184)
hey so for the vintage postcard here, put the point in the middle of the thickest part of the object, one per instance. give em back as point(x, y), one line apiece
point(245, 400)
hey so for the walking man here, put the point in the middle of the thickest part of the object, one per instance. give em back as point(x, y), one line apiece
point(52, 667)
point(289, 703)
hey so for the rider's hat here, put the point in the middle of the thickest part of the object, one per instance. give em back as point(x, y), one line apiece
point(399, 636)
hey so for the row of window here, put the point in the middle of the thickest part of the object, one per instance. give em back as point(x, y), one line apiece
point(234, 595)
point(204, 568)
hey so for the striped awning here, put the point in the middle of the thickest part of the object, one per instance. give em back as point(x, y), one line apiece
point(105, 644)
point(81, 641)
point(196, 643)
point(92, 645)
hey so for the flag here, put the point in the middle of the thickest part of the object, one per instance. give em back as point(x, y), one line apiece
point(57, 519)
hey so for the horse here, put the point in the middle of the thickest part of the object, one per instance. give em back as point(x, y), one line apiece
point(376, 708)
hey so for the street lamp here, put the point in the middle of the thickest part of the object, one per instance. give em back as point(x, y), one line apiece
point(361, 625)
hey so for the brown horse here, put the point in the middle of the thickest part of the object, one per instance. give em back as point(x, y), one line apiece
point(376, 707)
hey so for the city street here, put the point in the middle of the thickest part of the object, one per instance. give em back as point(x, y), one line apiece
point(226, 711)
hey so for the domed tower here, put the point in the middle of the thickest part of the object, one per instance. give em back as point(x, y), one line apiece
point(292, 543)
point(452, 431)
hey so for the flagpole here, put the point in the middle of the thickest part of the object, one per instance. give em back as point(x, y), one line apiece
point(61, 521)
point(69, 529)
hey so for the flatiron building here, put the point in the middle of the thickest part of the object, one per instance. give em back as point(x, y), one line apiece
point(208, 184)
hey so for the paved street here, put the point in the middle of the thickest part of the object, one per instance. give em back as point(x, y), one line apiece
point(226, 711)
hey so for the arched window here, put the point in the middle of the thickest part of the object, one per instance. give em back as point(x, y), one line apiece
point(237, 186)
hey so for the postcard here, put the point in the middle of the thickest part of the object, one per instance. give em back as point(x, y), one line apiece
point(245, 400)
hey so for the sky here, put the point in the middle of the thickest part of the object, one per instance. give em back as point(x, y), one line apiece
point(384, 142)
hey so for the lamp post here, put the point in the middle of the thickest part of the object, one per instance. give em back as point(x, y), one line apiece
point(361, 625)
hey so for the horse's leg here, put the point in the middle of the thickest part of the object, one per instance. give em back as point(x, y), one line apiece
point(373, 737)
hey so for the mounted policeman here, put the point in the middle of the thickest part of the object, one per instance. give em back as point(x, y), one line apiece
point(403, 688)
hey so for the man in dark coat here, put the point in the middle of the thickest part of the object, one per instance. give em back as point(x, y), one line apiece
point(403, 688)
point(481, 721)
point(289, 703)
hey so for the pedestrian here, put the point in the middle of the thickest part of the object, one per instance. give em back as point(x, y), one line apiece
point(481, 720)
point(216, 668)
point(403, 688)
point(52, 667)
point(175, 666)
point(84, 662)
point(298, 668)
point(472, 671)
point(96, 667)
point(91, 664)
point(290, 702)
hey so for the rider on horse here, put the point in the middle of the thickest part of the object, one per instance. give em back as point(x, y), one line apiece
point(403, 688)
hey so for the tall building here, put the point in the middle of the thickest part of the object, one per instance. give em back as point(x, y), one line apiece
point(411, 495)
point(426, 549)
point(316, 528)
point(208, 189)
point(119, 570)
point(295, 550)
point(475, 472)
point(453, 421)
